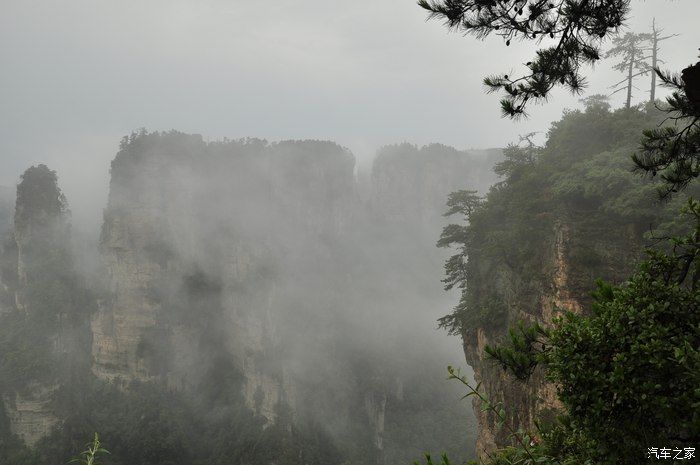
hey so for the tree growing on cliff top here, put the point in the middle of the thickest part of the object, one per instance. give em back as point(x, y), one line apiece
point(627, 371)
point(579, 27)
point(39, 199)
point(582, 173)
point(633, 52)
point(639, 56)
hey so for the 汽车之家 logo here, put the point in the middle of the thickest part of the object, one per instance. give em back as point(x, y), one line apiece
point(671, 453)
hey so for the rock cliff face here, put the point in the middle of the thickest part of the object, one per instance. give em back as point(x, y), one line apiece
point(260, 272)
point(563, 284)
point(265, 253)
point(562, 216)
point(35, 247)
point(7, 263)
point(31, 414)
point(216, 225)
point(7, 208)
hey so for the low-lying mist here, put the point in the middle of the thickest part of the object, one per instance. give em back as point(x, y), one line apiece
point(269, 281)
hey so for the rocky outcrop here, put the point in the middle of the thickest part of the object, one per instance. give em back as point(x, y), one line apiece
point(31, 414)
point(265, 253)
point(376, 411)
point(238, 214)
point(8, 252)
point(256, 271)
point(537, 398)
point(560, 289)
point(43, 328)
point(7, 209)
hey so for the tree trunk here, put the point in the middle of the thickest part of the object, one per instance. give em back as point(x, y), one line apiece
point(629, 77)
point(654, 49)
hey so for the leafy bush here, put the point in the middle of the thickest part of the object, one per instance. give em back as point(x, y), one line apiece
point(628, 374)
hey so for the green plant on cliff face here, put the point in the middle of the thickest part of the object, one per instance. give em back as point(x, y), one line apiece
point(444, 460)
point(90, 455)
point(628, 374)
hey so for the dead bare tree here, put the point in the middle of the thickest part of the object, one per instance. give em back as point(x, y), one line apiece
point(655, 61)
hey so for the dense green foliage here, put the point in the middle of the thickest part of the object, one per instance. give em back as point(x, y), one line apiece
point(628, 374)
point(577, 188)
point(628, 367)
point(39, 200)
point(673, 151)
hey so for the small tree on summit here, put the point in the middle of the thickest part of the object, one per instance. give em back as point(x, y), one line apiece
point(633, 51)
point(39, 199)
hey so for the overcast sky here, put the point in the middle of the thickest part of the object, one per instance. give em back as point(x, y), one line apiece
point(77, 75)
